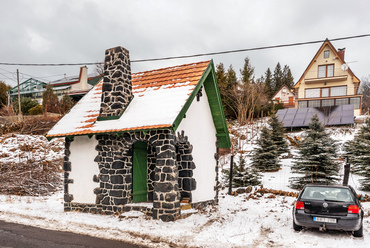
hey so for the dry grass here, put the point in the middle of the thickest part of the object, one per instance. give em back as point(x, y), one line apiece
point(33, 178)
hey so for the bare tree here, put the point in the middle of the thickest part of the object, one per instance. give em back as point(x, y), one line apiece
point(244, 99)
point(99, 68)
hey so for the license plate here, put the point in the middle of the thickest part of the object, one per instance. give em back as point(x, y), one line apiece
point(327, 220)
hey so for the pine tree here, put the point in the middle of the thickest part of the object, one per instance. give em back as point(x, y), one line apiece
point(245, 176)
point(288, 79)
point(358, 151)
point(277, 78)
point(277, 135)
point(265, 156)
point(315, 160)
point(226, 80)
point(247, 72)
point(269, 86)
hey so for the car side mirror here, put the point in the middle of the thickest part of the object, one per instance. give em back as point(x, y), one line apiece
point(362, 198)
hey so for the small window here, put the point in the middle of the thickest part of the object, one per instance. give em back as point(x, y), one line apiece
point(326, 54)
point(312, 93)
point(338, 91)
point(324, 92)
point(326, 71)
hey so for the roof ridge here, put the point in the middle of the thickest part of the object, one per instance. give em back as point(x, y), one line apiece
point(171, 67)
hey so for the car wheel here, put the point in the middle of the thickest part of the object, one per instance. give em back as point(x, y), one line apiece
point(296, 227)
point(358, 233)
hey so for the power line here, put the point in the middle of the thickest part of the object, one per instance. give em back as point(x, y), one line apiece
point(7, 77)
point(195, 55)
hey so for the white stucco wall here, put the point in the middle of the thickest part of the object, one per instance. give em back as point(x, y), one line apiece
point(83, 168)
point(198, 126)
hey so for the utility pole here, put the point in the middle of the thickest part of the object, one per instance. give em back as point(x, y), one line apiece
point(347, 169)
point(19, 99)
point(231, 171)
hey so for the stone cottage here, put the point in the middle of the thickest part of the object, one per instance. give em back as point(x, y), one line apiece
point(145, 141)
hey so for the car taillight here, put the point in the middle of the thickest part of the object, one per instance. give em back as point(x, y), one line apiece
point(299, 205)
point(353, 209)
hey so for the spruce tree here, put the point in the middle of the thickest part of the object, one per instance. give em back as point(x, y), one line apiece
point(226, 80)
point(247, 72)
point(288, 79)
point(265, 156)
point(315, 160)
point(269, 84)
point(277, 78)
point(277, 134)
point(358, 151)
point(243, 175)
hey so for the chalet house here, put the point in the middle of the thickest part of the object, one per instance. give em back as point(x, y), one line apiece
point(328, 81)
point(145, 141)
point(285, 96)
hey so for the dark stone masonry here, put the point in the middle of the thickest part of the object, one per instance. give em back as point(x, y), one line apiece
point(170, 170)
point(169, 158)
point(117, 86)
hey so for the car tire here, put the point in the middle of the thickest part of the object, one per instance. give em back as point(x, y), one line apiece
point(359, 232)
point(296, 227)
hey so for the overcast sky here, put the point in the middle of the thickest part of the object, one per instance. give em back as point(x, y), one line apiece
point(76, 31)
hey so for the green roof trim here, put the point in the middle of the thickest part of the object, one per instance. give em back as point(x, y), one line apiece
point(94, 81)
point(114, 117)
point(209, 80)
point(30, 85)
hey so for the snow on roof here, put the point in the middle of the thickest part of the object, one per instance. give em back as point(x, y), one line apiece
point(159, 96)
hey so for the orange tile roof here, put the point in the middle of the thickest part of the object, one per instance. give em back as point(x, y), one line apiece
point(82, 119)
point(169, 76)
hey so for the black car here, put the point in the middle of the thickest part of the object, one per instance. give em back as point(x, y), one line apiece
point(332, 207)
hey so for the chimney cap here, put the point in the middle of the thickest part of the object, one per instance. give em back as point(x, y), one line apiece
point(341, 49)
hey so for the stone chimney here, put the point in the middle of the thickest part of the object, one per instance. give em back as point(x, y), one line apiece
point(117, 86)
point(341, 52)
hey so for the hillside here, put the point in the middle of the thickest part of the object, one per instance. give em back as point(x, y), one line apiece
point(256, 219)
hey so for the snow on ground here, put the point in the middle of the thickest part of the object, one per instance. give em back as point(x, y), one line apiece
point(15, 148)
point(236, 222)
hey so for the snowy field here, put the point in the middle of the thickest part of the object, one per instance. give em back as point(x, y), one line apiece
point(236, 222)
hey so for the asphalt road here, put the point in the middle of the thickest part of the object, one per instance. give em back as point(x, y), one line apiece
point(21, 236)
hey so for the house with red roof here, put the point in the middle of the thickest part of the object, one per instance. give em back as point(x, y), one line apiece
point(145, 141)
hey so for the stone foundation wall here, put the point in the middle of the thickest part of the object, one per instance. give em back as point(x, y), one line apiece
point(169, 165)
point(115, 164)
point(185, 166)
point(67, 169)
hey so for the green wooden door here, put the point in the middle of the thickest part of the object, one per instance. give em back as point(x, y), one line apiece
point(139, 172)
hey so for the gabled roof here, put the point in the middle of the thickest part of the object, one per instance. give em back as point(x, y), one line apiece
point(161, 99)
point(332, 48)
point(29, 86)
point(283, 86)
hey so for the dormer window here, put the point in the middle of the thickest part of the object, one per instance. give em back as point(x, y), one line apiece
point(326, 71)
point(326, 54)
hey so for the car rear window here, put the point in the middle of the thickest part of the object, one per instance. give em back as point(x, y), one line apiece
point(327, 193)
